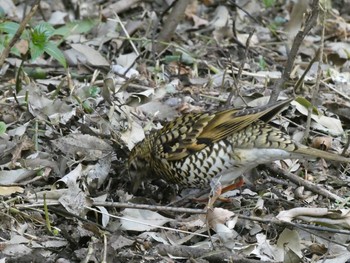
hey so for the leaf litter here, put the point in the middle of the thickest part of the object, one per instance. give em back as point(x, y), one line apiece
point(66, 133)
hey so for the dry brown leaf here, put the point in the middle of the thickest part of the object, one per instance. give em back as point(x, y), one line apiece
point(84, 146)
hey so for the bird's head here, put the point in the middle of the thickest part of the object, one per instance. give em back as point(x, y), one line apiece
point(139, 163)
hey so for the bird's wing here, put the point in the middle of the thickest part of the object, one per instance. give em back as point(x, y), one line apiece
point(193, 132)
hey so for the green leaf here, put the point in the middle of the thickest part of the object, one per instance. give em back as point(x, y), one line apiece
point(38, 40)
point(77, 27)
point(170, 58)
point(87, 107)
point(15, 51)
point(53, 51)
point(35, 50)
point(4, 40)
point(269, 3)
point(27, 35)
point(2, 12)
point(9, 27)
point(55, 231)
point(41, 34)
point(44, 29)
point(36, 73)
point(307, 104)
point(94, 91)
point(262, 63)
point(2, 127)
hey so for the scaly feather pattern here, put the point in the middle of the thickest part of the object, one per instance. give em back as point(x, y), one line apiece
point(194, 148)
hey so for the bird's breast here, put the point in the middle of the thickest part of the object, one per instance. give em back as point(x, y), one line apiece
point(220, 160)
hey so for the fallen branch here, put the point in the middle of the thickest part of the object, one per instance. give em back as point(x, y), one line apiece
point(308, 185)
point(309, 23)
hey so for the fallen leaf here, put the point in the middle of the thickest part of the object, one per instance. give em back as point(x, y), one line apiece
point(141, 220)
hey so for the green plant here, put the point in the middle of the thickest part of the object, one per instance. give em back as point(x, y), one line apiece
point(262, 63)
point(269, 3)
point(3, 127)
point(38, 39)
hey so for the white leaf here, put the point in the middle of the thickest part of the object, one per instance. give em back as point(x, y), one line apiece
point(141, 220)
point(328, 124)
point(92, 56)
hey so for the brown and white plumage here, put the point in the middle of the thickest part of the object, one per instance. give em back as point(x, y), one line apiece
point(194, 148)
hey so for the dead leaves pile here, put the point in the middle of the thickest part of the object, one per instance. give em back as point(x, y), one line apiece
point(64, 138)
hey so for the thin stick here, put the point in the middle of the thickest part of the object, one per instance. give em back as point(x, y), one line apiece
point(168, 29)
point(308, 185)
point(240, 70)
point(318, 80)
point(151, 207)
point(309, 23)
point(126, 33)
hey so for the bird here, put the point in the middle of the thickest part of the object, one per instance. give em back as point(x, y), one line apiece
point(195, 148)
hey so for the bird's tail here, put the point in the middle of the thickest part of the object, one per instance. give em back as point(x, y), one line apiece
point(308, 151)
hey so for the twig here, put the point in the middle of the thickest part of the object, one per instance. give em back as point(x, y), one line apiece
point(298, 225)
point(218, 256)
point(151, 207)
point(171, 23)
point(259, 22)
point(148, 224)
point(304, 227)
point(18, 33)
point(309, 23)
point(301, 79)
point(335, 90)
point(52, 207)
point(346, 146)
point(118, 7)
point(212, 255)
point(126, 33)
point(299, 181)
point(318, 80)
point(240, 70)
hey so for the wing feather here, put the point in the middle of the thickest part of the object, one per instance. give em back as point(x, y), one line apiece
point(193, 132)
